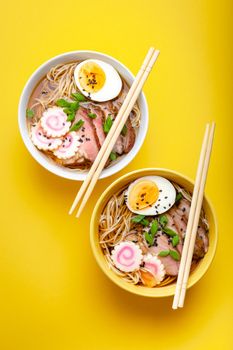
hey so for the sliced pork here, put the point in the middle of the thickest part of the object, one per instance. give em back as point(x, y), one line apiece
point(163, 242)
point(89, 147)
point(98, 123)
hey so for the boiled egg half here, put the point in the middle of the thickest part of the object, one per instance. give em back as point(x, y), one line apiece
point(150, 195)
point(97, 80)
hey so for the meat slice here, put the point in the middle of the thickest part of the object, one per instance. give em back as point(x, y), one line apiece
point(98, 123)
point(163, 243)
point(172, 226)
point(125, 143)
point(129, 138)
point(179, 222)
point(183, 208)
point(89, 147)
point(201, 243)
point(119, 145)
point(179, 215)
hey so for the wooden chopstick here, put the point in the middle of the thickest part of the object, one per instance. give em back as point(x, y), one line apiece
point(118, 130)
point(190, 220)
point(196, 201)
point(112, 130)
point(196, 218)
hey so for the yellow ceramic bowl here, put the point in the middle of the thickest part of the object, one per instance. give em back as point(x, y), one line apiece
point(140, 290)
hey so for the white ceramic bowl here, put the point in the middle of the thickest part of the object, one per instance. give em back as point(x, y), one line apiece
point(46, 162)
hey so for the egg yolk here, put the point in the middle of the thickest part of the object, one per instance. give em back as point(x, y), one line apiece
point(91, 77)
point(143, 194)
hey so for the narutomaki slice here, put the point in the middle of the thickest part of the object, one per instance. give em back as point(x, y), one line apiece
point(54, 122)
point(155, 266)
point(127, 256)
point(41, 140)
point(69, 146)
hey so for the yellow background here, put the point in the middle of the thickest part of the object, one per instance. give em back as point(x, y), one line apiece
point(52, 294)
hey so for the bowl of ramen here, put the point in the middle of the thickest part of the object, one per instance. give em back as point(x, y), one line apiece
point(67, 108)
point(138, 227)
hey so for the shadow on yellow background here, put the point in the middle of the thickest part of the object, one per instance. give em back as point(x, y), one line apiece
point(53, 295)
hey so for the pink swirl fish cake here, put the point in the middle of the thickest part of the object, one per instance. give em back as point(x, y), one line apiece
point(41, 140)
point(127, 256)
point(154, 265)
point(54, 122)
point(69, 146)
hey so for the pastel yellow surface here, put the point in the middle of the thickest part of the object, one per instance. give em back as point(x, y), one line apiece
point(53, 295)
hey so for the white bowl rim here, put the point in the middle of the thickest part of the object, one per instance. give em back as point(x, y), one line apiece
point(45, 161)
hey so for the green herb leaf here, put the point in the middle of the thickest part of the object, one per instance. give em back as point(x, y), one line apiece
point(149, 238)
point(175, 240)
point(74, 106)
point(144, 222)
point(124, 130)
point(68, 111)
point(175, 255)
point(30, 113)
point(77, 125)
point(163, 220)
point(113, 156)
point(79, 97)
point(92, 115)
point(179, 197)
point(154, 228)
point(63, 103)
point(164, 253)
point(137, 219)
point(169, 232)
point(108, 124)
point(71, 117)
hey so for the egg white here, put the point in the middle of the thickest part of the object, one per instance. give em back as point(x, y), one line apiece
point(166, 199)
point(112, 86)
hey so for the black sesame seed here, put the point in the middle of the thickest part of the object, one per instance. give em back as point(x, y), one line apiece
point(49, 144)
point(159, 199)
point(183, 209)
point(160, 190)
point(147, 202)
point(165, 197)
point(164, 208)
point(181, 229)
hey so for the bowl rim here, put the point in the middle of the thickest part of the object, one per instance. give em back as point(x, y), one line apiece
point(145, 292)
point(62, 171)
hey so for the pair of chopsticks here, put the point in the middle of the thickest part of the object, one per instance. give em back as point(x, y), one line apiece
point(194, 215)
point(103, 155)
